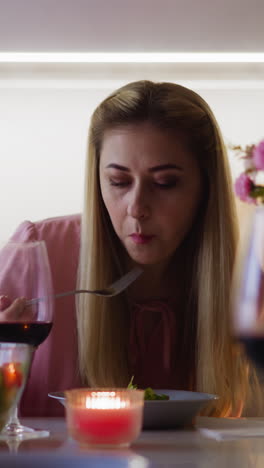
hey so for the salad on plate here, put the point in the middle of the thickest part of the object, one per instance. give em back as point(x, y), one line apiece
point(149, 392)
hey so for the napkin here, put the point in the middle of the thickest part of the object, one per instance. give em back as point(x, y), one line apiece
point(231, 429)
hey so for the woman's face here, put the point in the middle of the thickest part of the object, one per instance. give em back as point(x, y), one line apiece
point(151, 186)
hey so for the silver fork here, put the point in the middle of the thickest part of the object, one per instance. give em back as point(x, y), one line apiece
point(112, 290)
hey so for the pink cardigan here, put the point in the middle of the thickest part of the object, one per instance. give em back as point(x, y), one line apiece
point(54, 365)
point(153, 359)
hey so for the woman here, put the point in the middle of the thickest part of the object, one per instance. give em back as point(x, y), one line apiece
point(158, 193)
point(157, 167)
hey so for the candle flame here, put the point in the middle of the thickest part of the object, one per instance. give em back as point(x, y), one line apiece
point(105, 400)
point(11, 368)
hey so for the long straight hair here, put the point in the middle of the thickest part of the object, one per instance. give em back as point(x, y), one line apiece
point(103, 324)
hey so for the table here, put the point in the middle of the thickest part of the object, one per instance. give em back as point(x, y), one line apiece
point(184, 448)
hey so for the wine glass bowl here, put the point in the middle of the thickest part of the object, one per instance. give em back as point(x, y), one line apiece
point(25, 273)
point(15, 361)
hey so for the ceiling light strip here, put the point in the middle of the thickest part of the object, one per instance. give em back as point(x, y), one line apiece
point(121, 57)
point(222, 85)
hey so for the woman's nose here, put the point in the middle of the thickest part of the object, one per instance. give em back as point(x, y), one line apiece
point(138, 205)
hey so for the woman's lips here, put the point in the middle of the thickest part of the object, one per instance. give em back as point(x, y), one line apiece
point(141, 238)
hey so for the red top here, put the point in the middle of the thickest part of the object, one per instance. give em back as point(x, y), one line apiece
point(151, 347)
point(154, 346)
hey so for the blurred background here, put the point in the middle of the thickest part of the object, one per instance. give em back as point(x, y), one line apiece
point(45, 107)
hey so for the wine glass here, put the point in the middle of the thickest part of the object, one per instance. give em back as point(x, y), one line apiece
point(25, 272)
point(248, 310)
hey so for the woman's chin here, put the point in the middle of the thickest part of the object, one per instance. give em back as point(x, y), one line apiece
point(147, 260)
point(147, 255)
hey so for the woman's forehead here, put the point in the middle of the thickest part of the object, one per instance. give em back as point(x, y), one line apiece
point(146, 143)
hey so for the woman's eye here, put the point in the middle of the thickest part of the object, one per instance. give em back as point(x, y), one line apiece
point(119, 183)
point(166, 184)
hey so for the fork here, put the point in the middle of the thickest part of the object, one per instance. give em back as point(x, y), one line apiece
point(112, 290)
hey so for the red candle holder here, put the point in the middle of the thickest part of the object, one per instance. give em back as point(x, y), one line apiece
point(106, 417)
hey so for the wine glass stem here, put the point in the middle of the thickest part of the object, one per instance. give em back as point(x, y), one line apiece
point(13, 426)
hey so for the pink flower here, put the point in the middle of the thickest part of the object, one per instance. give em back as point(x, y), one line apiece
point(243, 187)
point(258, 155)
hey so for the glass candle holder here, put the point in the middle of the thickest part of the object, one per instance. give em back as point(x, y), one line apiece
point(15, 360)
point(106, 417)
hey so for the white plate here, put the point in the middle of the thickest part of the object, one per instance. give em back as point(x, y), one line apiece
point(176, 412)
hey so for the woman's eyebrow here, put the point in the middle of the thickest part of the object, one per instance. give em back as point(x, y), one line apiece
point(161, 167)
point(117, 166)
point(164, 167)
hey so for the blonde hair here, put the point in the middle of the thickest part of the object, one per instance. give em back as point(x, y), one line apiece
point(103, 325)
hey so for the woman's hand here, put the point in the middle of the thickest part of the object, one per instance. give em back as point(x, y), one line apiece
point(15, 311)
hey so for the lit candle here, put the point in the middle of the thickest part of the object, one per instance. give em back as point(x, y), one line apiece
point(11, 380)
point(12, 374)
point(104, 416)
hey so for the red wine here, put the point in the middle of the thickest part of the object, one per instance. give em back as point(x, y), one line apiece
point(254, 347)
point(32, 333)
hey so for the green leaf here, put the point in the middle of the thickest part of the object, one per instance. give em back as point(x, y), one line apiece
point(131, 385)
point(149, 392)
point(151, 395)
point(257, 191)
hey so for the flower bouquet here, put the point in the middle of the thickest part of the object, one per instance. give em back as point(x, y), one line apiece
point(249, 186)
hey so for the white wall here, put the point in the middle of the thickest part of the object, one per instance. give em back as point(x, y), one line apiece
point(43, 127)
point(42, 151)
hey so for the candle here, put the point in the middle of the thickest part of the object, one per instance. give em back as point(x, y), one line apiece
point(11, 380)
point(12, 374)
point(108, 417)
